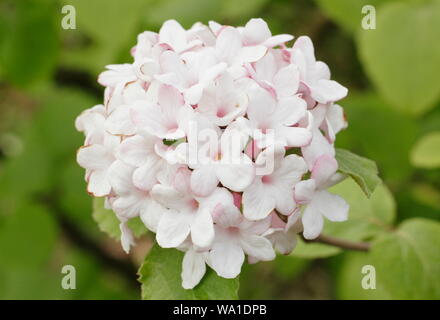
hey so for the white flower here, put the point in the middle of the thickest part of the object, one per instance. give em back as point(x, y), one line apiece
point(92, 123)
point(235, 237)
point(174, 35)
point(117, 75)
point(220, 160)
point(276, 76)
point(96, 159)
point(127, 238)
point(222, 102)
point(315, 75)
point(230, 48)
point(330, 118)
point(193, 266)
point(318, 202)
point(146, 55)
point(273, 190)
point(125, 95)
point(188, 214)
point(131, 201)
point(167, 120)
point(191, 72)
point(139, 151)
point(256, 32)
point(319, 146)
point(266, 115)
point(283, 235)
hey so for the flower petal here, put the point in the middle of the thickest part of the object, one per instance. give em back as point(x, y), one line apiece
point(203, 180)
point(257, 204)
point(258, 247)
point(304, 191)
point(312, 221)
point(202, 228)
point(290, 110)
point(169, 97)
point(332, 206)
point(277, 40)
point(295, 136)
point(119, 121)
point(98, 183)
point(193, 269)
point(319, 146)
point(286, 81)
point(226, 258)
point(119, 176)
point(173, 228)
point(228, 43)
point(236, 176)
point(168, 196)
point(324, 168)
point(135, 150)
point(127, 238)
point(251, 54)
point(325, 91)
point(151, 214)
point(94, 157)
point(173, 34)
point(227, 215)
point(255, 32)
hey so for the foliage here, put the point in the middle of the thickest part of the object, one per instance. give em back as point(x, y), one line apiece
point(160, 278)
point(406, 78)
point(426, 153)
point(407, 260)
point(362, 170)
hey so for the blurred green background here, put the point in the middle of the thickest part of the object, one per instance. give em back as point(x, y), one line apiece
point(48, 76)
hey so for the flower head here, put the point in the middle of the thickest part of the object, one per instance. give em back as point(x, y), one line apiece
point(221, 140)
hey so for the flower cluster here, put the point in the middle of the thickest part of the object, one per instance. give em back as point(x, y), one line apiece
point(221, 140)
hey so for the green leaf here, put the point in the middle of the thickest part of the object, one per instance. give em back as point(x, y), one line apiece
point(29, 45)
point(160, 279)
point(347, 13)
point(314, 250)
point(362, 170)
point(402, 64)
point(27, 237)
point(427, 195)
point(408, 260)
point(426, 152)
point(109, 223)
point(349, 277)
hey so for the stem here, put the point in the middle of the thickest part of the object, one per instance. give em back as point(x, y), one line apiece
point(341, 243)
